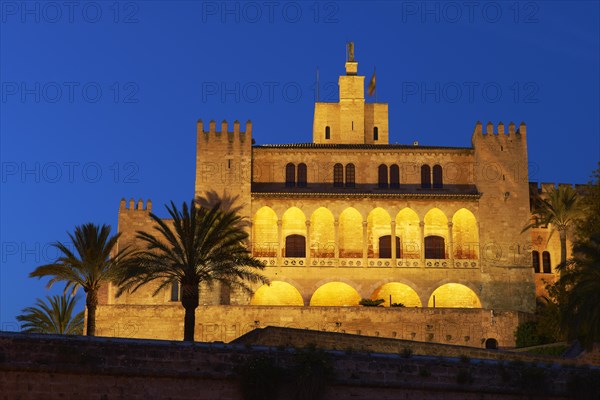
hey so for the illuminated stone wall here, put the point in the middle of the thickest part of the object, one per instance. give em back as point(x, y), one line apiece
point(468, 327)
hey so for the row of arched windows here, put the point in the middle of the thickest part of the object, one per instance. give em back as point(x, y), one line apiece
point(546, 264)
point(387, 177)
point(435, 247)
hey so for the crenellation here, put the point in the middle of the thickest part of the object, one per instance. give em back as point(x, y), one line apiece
point(212, 126)
point(522, 129)
point(489, 128)
point(224, 127)
point(500, 128)
point(140, 205)
point(236, 127)
point(511, 128)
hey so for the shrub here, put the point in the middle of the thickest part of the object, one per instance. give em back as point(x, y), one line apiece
point(371, 303)
point(398, 305)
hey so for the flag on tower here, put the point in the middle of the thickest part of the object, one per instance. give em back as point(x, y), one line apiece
point(371, 88)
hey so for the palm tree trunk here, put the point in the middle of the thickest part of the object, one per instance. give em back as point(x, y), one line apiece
point(189, 301)
point(563, 250)
point(91, 302)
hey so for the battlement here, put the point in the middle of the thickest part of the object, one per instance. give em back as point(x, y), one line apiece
point(489, 129)
point(133, 206)
point(545, 187)
point(212, 128)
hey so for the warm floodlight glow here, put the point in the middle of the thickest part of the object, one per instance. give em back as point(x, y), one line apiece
point(399, 292)
point(350, 233)
point(465, 235)
point(322, 233)
point(277, 294)
point(408, 230)
point(335, 294)
point(436, 223)
point(264, 233)
point(454, 295)
point(378, 224)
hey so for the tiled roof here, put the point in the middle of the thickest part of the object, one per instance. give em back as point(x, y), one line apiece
point(355, 146)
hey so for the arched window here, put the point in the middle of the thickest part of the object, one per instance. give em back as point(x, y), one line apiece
point(301, 175)
point(383, 176)
point(546, 262)
point(385, 247)
point(350, 175)
point(327, 133)
point(338, 175)
point(491, 344)
point(295, 246)
point(426, 177)
point(435, 247)
point(437, 177)
point(290, 175)
point(535, 258)
point(375, 133)
point(175, 291)
point(394, 177)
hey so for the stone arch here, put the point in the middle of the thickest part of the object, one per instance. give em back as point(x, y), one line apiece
point(399, 292)
point(454, 295)
point(335, 294)
point(465, 235)
point(264, 233)
point(293, 222)
point(322, 233)
point(278, 293)
point(408, 230)
point(378, 224)
point(350, 233)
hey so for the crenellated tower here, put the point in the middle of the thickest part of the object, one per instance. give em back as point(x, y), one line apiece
point(351, 120)
point(224, 161)
point(501, 175)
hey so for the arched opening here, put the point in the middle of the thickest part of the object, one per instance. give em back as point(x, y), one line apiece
point(465, 237)
point(491, 344)
point(378, 224)
point(335, 294)
point(322, 233)
point(302, 175)
point(408, 230)
point(327, 132)
point(293, 226)
point(264, 233)
point(290, 175)
point(535, 258)
point(278, 293)
point(454, 295)
point(350, 233)
point(295, 246)
point(338, 175)
point(425, 177)
point(437, 177)
point(375, 133)
point(394, 176)
point(398, 293)
point(546, 262)
point(382, 173)
point(436, 233)
point(350, 176)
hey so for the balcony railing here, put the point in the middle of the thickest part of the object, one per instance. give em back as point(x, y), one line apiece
point(371, 262)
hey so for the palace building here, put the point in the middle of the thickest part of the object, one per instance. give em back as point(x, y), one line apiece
point(351, 216)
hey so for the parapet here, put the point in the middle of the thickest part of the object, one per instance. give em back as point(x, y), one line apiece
point(545, 187)
point(140, 206)
point(212, 128)
point(489, 129)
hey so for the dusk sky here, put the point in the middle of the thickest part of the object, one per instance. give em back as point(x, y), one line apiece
point(99, 100)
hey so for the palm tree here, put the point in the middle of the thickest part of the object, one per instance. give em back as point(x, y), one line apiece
point(201, 245)
point(581, 314)
point(55, 315)
point(560, 209)
point(94, 262)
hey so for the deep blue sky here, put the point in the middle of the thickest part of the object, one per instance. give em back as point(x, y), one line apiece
point(100, 102)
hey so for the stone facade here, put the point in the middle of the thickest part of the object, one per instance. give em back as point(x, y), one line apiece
point(350, 216)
